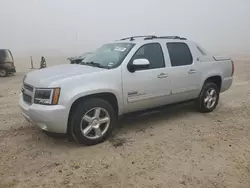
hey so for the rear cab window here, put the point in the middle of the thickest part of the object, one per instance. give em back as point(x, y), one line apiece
point(179, 53)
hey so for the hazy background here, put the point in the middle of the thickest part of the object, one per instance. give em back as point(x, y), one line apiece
point(69, 27)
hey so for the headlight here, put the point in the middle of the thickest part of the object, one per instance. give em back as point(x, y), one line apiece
point(47, 96)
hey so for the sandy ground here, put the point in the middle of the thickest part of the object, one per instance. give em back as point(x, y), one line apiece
point(176, 147)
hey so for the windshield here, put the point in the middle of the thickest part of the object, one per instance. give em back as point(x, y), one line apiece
point(109, 55)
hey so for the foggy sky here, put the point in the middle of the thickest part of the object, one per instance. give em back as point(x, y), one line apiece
point(55, 27)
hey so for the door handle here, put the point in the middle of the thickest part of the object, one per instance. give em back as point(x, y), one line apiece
point(192, 71)
point(162, 75)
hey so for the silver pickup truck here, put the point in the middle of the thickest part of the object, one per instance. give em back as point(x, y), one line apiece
point(128, 75)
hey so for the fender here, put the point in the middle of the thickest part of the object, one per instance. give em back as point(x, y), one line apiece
point(91, 89)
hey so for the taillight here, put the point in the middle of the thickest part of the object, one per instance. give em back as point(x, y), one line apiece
point(232, 68)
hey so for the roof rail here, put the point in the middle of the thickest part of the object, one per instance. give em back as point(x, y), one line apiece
point(172, 37)
point(150, 37)
point(143, 36)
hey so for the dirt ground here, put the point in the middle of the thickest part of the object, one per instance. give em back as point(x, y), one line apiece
point(176, 147)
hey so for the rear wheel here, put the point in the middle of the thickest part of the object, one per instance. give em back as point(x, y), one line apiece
point(3, 73)
point(208, 98)
point(93, 121)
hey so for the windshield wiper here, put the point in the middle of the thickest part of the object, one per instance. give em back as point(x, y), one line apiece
point(93, 64)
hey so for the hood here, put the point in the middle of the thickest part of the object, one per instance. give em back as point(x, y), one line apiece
point(44, 77)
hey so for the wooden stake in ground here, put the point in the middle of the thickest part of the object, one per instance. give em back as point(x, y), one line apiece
point(31, 62)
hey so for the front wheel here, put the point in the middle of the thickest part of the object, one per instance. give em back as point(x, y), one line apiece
point(93, 121)
point(208, 98)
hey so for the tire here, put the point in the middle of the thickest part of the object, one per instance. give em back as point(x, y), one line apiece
point(203, 99)
point(3, 73)
point(85, 120)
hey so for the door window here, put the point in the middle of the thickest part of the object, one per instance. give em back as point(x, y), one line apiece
point(153, 53)
point(179, 54)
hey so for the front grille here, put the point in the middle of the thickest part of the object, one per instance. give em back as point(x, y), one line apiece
point(28, 87)
point(27, 91)
point(27, 98)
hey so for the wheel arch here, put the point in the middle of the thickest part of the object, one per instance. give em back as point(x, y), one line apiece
point(108, 96)
point(216, 79)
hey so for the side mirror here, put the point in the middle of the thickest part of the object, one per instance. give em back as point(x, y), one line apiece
point(138, 64)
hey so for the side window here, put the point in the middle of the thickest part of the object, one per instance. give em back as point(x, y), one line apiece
point(153, 53)
point(179, 54)
point(2, 55)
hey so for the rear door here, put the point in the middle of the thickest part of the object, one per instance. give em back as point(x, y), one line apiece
point(184, 74)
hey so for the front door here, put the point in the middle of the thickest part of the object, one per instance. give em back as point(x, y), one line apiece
point(148, 87)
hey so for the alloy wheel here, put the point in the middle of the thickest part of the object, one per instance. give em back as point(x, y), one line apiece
point(95, 123)
point(210, 98)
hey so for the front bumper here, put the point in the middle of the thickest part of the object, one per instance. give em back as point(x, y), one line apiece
point(48, 118)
